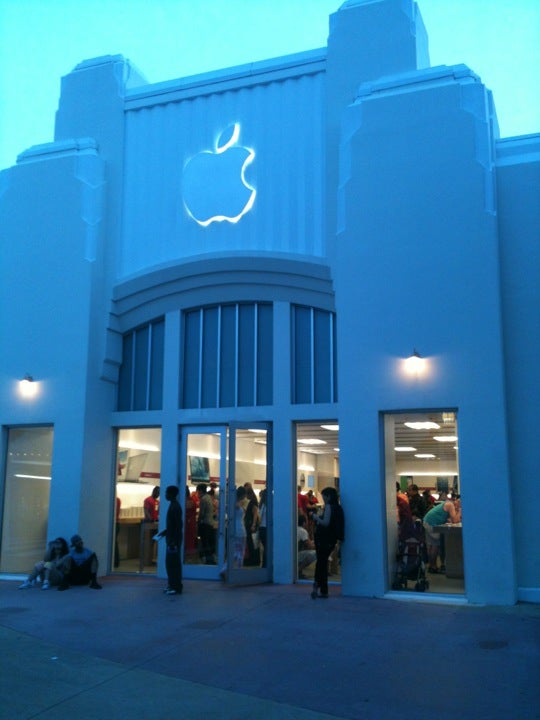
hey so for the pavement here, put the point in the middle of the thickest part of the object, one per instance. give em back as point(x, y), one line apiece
point(265, 652)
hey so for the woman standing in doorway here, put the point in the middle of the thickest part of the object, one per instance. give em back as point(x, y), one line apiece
point(329, 528)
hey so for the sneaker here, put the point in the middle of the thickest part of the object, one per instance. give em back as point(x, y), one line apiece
point(170, 591)
point(26, 585)
point(95, 585)
point(45, 585)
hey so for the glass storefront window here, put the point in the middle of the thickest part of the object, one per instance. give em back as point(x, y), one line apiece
point(138, 497)
point(26, 498)
point(425, 553)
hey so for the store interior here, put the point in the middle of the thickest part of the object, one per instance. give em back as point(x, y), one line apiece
point(421, 450)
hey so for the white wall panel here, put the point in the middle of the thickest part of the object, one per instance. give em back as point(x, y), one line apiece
point(282, 121)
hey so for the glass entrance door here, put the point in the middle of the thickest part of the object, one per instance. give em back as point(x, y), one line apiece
point(203, 477)
point(216, 462)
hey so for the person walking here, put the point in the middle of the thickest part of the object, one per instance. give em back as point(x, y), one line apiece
point(173, 534)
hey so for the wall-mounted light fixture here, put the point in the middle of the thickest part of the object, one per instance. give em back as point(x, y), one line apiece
point(28, 386)
point(415, 364)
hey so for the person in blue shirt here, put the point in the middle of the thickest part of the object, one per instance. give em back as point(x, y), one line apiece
point(80, 566)
point(448, 511)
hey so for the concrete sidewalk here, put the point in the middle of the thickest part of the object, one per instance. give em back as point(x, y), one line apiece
point(128, 651)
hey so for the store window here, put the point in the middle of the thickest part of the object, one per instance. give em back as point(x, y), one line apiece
point(227, 356)
point(138, 500)
point(26, 497)
point(140, 384)
point(314, 376)
point(425, 551)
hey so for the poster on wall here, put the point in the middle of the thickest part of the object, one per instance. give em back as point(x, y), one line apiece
point(199, 468)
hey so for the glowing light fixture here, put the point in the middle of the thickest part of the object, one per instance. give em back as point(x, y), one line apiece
point(28, 386)
point(415, 364)
point(427, 425)
point(405, 448)
point(33, 477)
point(333, 428)
point(131, 445)
point(424, 455)
point(445, 438)
point(311, 441)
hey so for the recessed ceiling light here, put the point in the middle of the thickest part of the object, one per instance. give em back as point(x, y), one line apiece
point(334, 428)
point(404, 448)
point(311, 441)
point(445, 438)
point(129, 445)
point(427, 425)
point(424, 455)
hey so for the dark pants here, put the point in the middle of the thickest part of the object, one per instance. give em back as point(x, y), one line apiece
point(324, 550)
point(253, 557)
point(208, 536)
point(262, 539)
point(173, 566)
point(83, 573)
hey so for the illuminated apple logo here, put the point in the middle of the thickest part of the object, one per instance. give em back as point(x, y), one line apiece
point(214, 183)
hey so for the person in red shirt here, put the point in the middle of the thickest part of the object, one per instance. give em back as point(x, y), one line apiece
point(151, 506)
point(303, 503)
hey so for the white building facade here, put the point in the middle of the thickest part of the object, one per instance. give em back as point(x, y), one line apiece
point(228, 266)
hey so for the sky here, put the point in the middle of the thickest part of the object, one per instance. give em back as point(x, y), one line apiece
point(42, 40)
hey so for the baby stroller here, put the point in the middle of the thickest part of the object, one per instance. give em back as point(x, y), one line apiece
point(411, 558)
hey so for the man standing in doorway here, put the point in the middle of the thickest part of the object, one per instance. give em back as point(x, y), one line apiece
point(173, 534)
point(205, 524)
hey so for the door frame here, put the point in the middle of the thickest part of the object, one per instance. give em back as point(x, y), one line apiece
point(227, 490)
point(203, 571)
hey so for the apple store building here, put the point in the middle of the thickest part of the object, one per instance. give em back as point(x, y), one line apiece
point(319, 270)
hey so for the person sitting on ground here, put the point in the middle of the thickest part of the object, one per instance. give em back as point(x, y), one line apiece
point(49, 569)
point(80, 566)
point(306, 548)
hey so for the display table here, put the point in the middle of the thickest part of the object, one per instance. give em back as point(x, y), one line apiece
point(147, 550)
point(135, 541)
point(129, 537)
point(453, 545)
